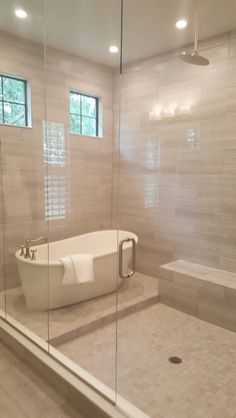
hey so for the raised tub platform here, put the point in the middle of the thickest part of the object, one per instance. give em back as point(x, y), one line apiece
point(202, 291)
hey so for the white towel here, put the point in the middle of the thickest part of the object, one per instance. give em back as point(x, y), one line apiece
point(78, 268)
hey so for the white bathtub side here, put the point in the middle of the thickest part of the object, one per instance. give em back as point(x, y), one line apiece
point(42, 283)
point(41, 296)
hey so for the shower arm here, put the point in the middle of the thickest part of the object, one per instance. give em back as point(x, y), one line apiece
point(42, 239)
point(193, 57)
point(196, 25)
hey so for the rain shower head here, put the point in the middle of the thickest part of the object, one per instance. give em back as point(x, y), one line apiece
point(195, 58)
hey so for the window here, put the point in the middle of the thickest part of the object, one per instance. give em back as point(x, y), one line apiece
point(13, 101)
point(84, 111)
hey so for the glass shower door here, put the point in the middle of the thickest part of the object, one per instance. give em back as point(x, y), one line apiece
point(79, 158)
point(22, 110)
point(176, 193)
point(2, 240)
point(138, 191)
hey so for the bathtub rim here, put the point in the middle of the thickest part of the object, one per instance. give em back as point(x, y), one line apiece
point(43, 263)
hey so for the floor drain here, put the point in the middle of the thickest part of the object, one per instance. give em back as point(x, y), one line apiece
point(175, 360)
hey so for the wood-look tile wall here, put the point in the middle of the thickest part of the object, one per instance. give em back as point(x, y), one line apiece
point(176, 177)
point(177, 180)
point(88, 165)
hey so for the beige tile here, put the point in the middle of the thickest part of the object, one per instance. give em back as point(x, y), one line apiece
point(202, 291)
point(9, 407)
point(70, 322)
point(89, 169)
point(64, 411)
point(146, 340)
point(217, 312)
point(191, 159)
point(23, 393)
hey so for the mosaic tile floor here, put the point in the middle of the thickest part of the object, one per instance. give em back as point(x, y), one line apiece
point(204, 385)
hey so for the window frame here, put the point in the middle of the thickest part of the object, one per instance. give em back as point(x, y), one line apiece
point(80, 115)
point(26, 104)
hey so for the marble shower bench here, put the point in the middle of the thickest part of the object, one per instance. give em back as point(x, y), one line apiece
point(205, 292)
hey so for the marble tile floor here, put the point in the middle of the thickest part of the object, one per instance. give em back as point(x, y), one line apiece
point(67, 322)
point(203, 385)
point(25, 394)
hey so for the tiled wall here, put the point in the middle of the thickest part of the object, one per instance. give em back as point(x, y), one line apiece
point(87, 166)
point(178, 157)
point(177, 176)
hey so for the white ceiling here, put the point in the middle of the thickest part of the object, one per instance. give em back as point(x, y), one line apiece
point(88, 27)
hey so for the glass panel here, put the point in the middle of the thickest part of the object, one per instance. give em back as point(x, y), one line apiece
point(75, 103)
point(23, 172)
point(14, 114)
point(89, 106)
point(2, 243)
point(1, 113)
point(88, 126)
point(163, 175)
point(13, 90)
point(78, 200)
point(75, 127)
point(177, 194)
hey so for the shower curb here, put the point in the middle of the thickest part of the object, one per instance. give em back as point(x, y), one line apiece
point(87, 399)
point(103, 321)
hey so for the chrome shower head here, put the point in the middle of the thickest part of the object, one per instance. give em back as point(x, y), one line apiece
point(194, 58)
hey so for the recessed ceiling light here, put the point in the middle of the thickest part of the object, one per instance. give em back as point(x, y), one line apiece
point(20, 13)
point(181, 24)
point(113, 49)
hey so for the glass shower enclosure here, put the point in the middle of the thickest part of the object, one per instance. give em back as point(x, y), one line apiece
point(117, 160)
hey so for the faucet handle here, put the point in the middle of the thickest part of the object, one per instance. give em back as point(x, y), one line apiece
point(22, 250)
point(33, 255)
point(27, 248)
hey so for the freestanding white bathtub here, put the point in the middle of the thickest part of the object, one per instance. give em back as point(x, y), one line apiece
point(41, 279)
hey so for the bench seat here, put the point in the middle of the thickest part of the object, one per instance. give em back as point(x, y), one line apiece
point(205, 292)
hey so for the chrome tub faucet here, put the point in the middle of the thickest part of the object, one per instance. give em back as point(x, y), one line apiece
point(26, 249)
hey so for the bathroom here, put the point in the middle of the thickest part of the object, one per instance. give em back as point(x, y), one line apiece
point(117, 197)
